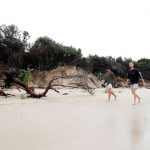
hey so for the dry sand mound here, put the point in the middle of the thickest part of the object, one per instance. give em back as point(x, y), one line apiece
point(41, 78)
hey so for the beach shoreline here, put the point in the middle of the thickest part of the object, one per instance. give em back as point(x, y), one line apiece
point(75, 121)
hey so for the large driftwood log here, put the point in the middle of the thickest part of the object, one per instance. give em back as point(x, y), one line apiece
point(81, 82)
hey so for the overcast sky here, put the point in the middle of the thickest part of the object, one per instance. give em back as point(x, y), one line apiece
point(103, 27)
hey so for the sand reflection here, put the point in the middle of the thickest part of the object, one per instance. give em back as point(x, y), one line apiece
point(136, 129)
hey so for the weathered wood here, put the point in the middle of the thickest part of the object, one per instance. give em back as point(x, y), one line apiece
point(83, 84)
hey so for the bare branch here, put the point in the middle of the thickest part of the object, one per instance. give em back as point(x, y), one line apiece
point(81, 82)
point(2, 93)
point(55, 90)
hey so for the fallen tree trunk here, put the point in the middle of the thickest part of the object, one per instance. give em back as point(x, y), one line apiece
point(81, 82)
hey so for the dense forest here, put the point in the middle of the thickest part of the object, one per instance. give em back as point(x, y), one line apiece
point(46, 54)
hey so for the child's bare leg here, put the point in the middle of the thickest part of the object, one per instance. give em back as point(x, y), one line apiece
point(109, 94)
point(114, 94)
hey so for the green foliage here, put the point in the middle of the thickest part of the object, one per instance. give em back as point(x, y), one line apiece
point(13, 43)
point(46, 54)
point(25, 76)
point(144, 67)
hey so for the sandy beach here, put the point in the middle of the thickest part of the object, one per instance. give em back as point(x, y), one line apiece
point(76, 121)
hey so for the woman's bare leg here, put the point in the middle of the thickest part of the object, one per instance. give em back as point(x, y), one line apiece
point(110, 92)
point(114, 94)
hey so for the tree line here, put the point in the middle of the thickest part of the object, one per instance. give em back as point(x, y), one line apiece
point(46, 54)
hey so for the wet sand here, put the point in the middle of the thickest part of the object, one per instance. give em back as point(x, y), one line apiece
point(77, 121)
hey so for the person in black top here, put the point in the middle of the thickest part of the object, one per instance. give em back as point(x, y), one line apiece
point(134, 75)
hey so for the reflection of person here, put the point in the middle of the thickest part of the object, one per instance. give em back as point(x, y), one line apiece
point(110, 81)
point(133, 76)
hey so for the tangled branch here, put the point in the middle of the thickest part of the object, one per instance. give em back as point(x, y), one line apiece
point(81, 82)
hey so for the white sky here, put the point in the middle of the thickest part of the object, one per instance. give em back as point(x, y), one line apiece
point(103, 27)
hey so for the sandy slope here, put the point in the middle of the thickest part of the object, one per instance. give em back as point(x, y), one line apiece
point(76, 121)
